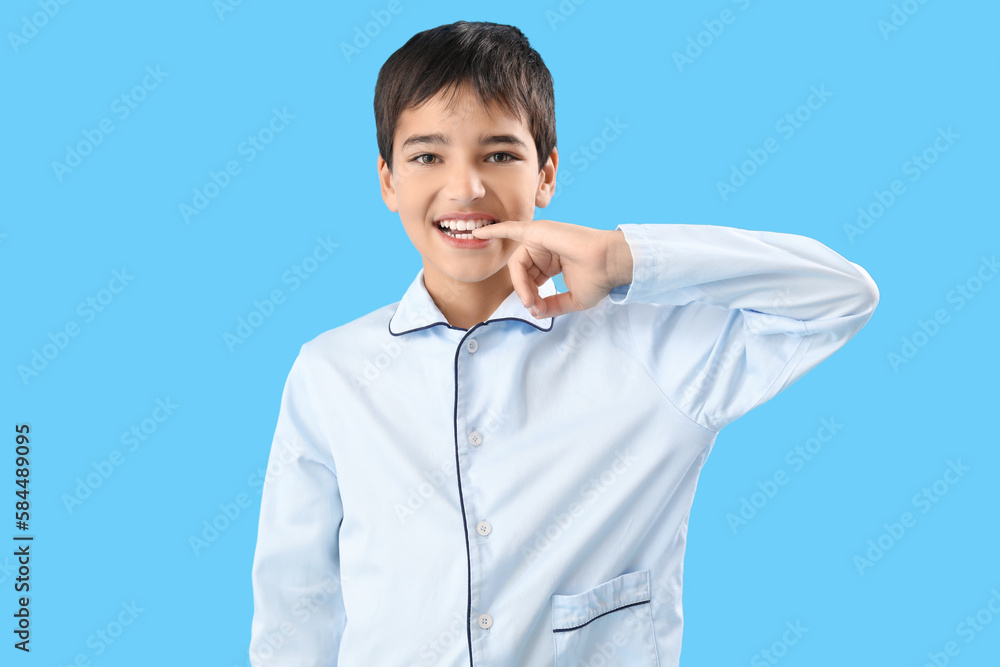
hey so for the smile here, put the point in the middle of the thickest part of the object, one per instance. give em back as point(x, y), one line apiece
point(455, 228)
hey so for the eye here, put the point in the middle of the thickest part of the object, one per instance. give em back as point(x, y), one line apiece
point(419, 159)
point(510, 158)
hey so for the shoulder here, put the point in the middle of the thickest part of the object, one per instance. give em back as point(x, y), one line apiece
point(351, 338)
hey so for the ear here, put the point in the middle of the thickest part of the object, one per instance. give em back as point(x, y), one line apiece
point(387, 184)
point(547, 180)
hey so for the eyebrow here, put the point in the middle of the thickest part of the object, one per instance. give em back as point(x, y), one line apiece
point(485, 140)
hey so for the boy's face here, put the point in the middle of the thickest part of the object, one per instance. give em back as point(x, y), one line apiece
point(460, 160)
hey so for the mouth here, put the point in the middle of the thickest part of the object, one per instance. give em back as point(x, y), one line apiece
point(462, 229)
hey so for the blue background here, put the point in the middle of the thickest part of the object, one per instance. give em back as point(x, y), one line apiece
point(686, 124)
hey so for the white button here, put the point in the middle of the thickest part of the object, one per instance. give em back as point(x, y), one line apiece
point(484, 528)
point(471, 345)
point(485, 621)
point(476, 438)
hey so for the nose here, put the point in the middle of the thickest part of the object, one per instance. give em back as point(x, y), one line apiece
point(465, 184)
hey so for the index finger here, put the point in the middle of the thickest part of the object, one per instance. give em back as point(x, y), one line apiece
point(508, 229)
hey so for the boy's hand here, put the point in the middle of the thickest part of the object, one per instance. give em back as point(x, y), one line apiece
point(593, 262)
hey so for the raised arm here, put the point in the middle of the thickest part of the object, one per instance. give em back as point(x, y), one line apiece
point(722, 318)
point(726, 318)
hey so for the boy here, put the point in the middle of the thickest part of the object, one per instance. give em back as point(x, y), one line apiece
point(512, 486)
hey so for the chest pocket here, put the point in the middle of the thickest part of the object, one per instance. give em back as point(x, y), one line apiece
point(610, 625)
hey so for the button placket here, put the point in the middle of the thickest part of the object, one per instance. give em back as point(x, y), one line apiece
point(482, 528)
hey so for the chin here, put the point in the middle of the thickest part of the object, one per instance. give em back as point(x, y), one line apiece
point(469, 271)
point(471, 275)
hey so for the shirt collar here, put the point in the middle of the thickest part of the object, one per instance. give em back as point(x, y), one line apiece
point(417, 310)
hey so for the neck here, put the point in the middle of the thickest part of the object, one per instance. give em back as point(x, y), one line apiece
point(466, 304)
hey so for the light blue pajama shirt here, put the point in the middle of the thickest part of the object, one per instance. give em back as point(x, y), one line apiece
point(517, 494)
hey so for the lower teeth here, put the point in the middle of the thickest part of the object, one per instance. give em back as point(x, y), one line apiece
point(456, 235)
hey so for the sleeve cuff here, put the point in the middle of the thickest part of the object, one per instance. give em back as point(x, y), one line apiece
point(643, 266)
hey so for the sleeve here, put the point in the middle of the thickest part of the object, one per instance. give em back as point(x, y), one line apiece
point(724, 319)
point(299, 613)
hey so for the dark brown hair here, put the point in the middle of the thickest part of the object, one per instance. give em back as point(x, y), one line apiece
point(494, 61)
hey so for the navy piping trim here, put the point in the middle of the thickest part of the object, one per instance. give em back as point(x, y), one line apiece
point(445, 324)
point(577, 627)
point(461, 499)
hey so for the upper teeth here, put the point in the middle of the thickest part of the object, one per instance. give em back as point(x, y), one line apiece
point(462, 225)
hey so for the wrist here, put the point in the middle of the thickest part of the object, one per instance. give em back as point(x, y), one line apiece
point(619, 260)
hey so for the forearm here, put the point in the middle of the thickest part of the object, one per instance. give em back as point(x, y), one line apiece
point(780, 274)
